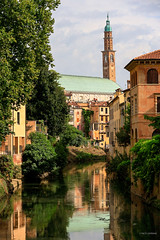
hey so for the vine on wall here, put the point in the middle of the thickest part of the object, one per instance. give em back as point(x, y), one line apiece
point(87, 120)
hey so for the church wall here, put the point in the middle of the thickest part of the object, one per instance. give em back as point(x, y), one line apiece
point(85, 97)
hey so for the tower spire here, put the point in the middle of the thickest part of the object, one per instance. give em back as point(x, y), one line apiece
point(107, 16)
point(107, 27)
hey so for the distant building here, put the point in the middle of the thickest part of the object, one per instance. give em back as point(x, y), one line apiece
point(117, 108)
point(93, 93)
point(35, 126)
point(100, 124)
point(84, 89)
point(76, 118)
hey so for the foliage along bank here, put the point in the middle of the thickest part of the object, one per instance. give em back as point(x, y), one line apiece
point(145, 164)
point(47, 156)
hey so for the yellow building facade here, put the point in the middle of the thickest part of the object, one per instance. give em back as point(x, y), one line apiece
point(15, 143)
point(100, 123)
point(117, 108)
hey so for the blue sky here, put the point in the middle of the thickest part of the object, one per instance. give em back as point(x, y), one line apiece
point(77, 40)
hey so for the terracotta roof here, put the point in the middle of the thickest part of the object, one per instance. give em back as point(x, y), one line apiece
point(151, 55)
point(155, 55)
point(73, 104)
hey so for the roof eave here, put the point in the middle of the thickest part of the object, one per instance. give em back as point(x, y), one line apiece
point(132, 64)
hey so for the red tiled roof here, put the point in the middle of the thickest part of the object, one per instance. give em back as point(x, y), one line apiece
point(151, 55)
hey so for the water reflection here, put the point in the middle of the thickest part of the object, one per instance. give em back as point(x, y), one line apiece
point(81, 205)
point(131, 218)
point(12, 219)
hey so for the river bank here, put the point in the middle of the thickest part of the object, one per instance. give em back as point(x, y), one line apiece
point(81, 154)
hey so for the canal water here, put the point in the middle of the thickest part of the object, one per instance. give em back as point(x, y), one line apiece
point(82, 205)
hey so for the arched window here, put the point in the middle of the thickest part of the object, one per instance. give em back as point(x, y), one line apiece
point(112, 58)
point(105, 58)
point(132, 134)
point(152, 76)
point(135, 78)
point(136, 134)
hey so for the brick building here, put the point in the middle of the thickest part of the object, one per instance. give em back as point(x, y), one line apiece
point(145, 94)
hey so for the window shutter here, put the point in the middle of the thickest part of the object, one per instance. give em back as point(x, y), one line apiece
point(158, 104)
point(152, 76)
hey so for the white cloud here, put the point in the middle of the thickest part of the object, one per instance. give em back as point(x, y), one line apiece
point(77, 41)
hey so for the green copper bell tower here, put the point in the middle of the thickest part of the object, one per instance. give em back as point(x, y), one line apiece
point(108, 54)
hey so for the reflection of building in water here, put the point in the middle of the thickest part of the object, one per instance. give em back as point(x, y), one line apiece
point(99, 192)
point(119, 210)
point(31, 232)
point(100, 189)
point(15, 227)
point(19, 222)
point(108, 236)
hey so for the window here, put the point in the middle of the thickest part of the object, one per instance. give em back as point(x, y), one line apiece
point(136, 134)
point(101, 109)
point(18, 117)
point(106, 110)
point(20, 148)
point(15, 220)
point(111, 114)
point(135, 105)
point(106, 119)
point(112, 58)
point(158, 104)
point(81, 98)
point(101, 127)
point(132, 107)
point(133, 79)
point(152, 76)
point(105, 58)
point(102, 118)
point(132, 134)
point(95, 126)
point(102, 138)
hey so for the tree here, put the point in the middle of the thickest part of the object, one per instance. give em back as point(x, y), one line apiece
point(146, 164)
point(155, 121)
point(123, 135)
point(87, 119)
point(39, 156)
point(48, 102)
point(71, 136)
point(25, 27)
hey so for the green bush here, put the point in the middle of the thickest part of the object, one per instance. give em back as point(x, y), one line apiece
point(73, 137)
point(39, 156)
point(7, 167)
point(120, 166)
point(83, 157)
point(146, 161)
point(62, 153)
